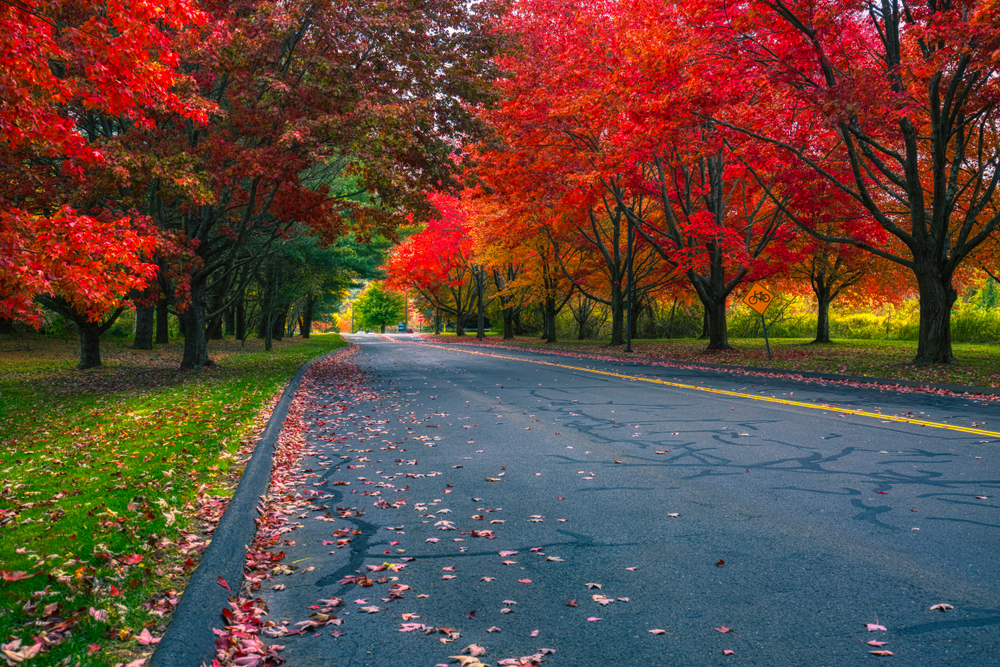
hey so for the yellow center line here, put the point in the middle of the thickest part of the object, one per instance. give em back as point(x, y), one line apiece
point(737, 394)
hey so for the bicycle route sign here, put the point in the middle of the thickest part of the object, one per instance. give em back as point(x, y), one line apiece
point(758, 297)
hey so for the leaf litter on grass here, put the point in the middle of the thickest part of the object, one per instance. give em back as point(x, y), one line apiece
point(115, 479)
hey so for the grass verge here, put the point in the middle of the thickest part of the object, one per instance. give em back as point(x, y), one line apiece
point(978, 365)
point(111, 479)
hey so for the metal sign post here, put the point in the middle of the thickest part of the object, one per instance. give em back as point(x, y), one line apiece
point(759, 298)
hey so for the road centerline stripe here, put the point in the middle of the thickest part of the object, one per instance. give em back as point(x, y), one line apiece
point(725, 392)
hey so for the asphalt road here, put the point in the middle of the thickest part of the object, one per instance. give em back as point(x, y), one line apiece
point(694, 511)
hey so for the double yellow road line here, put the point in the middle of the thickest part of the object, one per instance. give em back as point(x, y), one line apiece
point(737, 394)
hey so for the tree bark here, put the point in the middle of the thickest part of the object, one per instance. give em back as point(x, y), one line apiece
point(617, 315)
point(240, 327)
point(549, 305)
point(162, 322)
point(278, 327)
point(718, 334)
point(937, 296)
point(90, 344)
point(195, 340)
point(823, 318)
point(508, 323)
point(144, 321)
point(229, 322)
point(306, 321)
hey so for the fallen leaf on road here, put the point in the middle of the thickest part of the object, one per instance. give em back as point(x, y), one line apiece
point(220, 581)
point(720, 563)
point(880, 652)
point(370, 610)
point(594, 618)
point(572, 603)
point(727, 651)
point(474, 650)
point(658, 631)
point(942, 606)
point(872, 627)
point(493, 629)
point(589, 586)
point(876, 642)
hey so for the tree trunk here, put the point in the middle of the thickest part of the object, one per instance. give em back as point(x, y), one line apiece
point(162, 322)
point(704, 324)
point(215, 328)
point(508, 323)
point(90, 345)
point(460, 324)
point(229, 322)
point(240, 325)
point(193, 318)
point(936, 299)
point(715, 315)
point(278, 327)
point(617, 315)
point(550, 319)
point(144, 322)
point(823, 299)
point(306, 321)
point(670, 323)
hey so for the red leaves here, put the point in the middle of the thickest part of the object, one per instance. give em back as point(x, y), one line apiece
point(222, 582)
point(15, 576)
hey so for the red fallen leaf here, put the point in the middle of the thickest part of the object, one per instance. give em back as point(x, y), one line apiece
point(881, 492)
point(727, 651)
point(338, 633)
point(872, 627)
point(221, 582)
point(493, 629)
point(114, 591)
point(594, 618)
point(881, 652)
point(15, 576)
point(145, 638)
point(471, 614)
point(524, 581)
point(724, 629)
point(720, 563)
point(93, 648)
point(572, 603)
point(876, 642)
point(132, 560)
point(942, 607)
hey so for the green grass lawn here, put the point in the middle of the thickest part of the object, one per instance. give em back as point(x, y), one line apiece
point(107, 475)
point(978, 365)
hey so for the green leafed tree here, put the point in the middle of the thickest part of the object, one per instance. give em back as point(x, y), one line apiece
point(377, 307)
